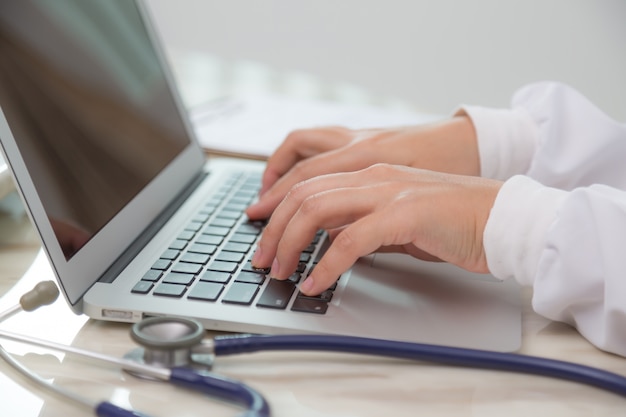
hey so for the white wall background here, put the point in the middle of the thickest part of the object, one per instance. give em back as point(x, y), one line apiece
point(435, 54)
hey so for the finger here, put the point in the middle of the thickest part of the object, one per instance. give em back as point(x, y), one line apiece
point(335, 161)
point(275, 229)
point(349, 205)
point(293, 202)
point(361, 238)
point(300, 144)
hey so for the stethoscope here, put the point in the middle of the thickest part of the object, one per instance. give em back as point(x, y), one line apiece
point(175, 350)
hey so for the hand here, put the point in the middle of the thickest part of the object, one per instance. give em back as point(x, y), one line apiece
point(447, 146)
point(426, 214)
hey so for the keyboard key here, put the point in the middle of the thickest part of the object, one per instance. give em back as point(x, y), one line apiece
point(142, 287)
point(223, 266)
point(230, 257)
point(241, 293)
point(242, 238)
point(309, 249)
point(223, 222)
point(276, 294)
point(250, 277)
point(187, 268)
point(301, 267)
point(178, 244)
point(245, 200)
point(194, 226)
point(161, 264)
point(309, 305)
point(295, 277)
point(170, 290)
point(208, 209)
point(250, 229)
point(170, 254)
point(202, 248)
point(235, 207)
point(245, 196)
point(207, 291)
point(215, 230)
point(216, 276)
point(178, 278)
point(325, 296)
point(228, 214)
point(237, 247)
point(248, 267)
point(195, 258)
point(186, 235)
point(217, 201)
point(209, 239)
point(152, 275)
point(202, 217)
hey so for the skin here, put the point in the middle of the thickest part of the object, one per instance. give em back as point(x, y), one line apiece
point(413, 190)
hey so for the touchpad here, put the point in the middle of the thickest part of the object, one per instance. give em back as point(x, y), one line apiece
point(403, 263)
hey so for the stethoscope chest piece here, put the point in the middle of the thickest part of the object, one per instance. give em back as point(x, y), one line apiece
point(168, 342)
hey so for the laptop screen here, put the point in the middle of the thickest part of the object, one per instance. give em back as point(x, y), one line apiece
point(89, 107)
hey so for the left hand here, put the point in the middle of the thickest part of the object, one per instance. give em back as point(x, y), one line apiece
point(426, 214)
point(448, 146)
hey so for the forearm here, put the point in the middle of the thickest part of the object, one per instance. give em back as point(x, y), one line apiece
point(447, 146)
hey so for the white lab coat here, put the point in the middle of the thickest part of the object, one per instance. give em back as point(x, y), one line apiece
point(559, 221)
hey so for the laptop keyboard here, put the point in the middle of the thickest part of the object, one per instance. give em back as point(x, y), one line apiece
point(209, 260)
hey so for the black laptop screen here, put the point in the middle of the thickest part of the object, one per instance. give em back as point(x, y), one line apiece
point(89, 106)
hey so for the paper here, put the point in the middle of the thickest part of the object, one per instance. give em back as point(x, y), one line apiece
point(257, 125)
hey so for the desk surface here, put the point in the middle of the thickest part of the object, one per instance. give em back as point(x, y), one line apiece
point(296, 384)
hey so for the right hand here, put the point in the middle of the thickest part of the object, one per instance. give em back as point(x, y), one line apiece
point(426, 214)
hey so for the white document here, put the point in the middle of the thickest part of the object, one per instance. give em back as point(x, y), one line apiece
point(257, 125)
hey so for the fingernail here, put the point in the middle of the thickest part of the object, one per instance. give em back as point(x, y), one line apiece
point(307, 285)
point(275, 269)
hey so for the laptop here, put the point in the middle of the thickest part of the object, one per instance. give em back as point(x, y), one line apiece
point(137, 223)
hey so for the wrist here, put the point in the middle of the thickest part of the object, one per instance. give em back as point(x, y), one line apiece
point(448, 146)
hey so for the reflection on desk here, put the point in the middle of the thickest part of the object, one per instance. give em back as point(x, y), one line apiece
point(300, 383)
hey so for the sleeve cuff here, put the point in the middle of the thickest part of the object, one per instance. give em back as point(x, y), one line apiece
point(516, 231)
point(506, 140)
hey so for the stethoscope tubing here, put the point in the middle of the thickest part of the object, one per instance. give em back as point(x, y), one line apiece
point(223, 388)
point(615, 383)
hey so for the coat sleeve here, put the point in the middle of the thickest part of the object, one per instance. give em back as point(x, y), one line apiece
point(559, 221)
